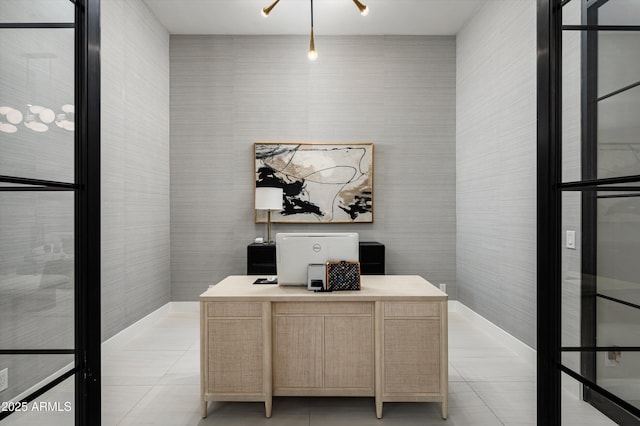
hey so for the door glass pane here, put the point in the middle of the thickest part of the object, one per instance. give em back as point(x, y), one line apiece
point(571, 274)
point(619, 12)
point(619, 325)
point(55, 407)
point(617, 376)
point(618, 60)
point(619, 134)
point(613, 376)
point(572, 13)
point(571, 105)
point(37, 112)
point(37, 11)
point(36, 271)
point(28, 373)
point(618, 279)
point(577, 412)
point(618, 302)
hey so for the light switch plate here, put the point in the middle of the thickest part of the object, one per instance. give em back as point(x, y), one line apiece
point(570, 241)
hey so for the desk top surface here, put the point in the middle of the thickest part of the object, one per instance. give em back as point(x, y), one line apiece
point(373, 288)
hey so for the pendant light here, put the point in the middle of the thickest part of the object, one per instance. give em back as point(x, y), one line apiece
point(267, 10)
point(36, 118)
point(8, 118)
point(364, 9)
point(66, 119)
point(313, 53)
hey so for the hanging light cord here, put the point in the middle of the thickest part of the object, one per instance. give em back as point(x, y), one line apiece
point(311, 13)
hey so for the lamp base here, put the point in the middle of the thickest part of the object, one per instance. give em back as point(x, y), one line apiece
point(269, 240)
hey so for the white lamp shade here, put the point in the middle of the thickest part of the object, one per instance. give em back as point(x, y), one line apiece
point(268, 198)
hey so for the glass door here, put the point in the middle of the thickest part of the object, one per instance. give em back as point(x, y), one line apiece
point(48, 283)
point(589, 208)
point(611, 215)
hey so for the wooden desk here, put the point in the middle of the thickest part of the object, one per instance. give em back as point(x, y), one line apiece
point(388, 341)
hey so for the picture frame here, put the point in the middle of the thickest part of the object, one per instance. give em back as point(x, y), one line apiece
point(322, 182)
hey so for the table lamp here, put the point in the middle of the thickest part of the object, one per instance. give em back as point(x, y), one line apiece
point(269, 199)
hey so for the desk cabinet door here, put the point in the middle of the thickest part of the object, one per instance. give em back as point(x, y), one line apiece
point(324, 346)
point(411, 355)
point(348, 361)
point(235, 363)
point(298, 352)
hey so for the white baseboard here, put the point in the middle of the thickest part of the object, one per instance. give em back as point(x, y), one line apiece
point(121, 338)
point(522, 349)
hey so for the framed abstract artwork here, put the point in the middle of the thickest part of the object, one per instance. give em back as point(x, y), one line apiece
point(321, 182)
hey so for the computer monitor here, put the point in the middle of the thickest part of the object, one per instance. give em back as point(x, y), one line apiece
point(295, 251)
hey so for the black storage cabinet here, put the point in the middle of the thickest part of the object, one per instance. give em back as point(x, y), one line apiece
point(261, 258)
point(371, 258)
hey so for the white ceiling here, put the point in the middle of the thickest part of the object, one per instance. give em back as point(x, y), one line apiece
point(331, 17)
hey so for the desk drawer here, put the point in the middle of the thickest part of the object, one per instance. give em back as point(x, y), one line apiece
point(411, 309)
point(234, 309)
point(323, 308)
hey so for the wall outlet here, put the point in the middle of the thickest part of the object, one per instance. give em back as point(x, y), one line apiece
point(4, 379)
point(443, 287)
point(612, 359)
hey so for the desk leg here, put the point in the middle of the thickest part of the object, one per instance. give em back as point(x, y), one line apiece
point(267, 361)
point(267, 407)
point(379, 408)
point(379, 355)
point(444, 358)
point(203, 408)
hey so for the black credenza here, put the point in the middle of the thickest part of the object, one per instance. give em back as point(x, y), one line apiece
point(371, 258)
point(261, 258)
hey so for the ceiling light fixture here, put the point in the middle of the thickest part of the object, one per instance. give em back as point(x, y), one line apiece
point(313, 53)
point(66, 119)
point(36, 118)
point(8, 117)
point(267, 10)
point(363, 8)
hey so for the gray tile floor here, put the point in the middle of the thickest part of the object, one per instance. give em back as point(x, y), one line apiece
point(154, 377)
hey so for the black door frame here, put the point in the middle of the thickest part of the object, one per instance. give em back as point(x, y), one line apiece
point(86, 190)
point(549, 215)
point(88, 324)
